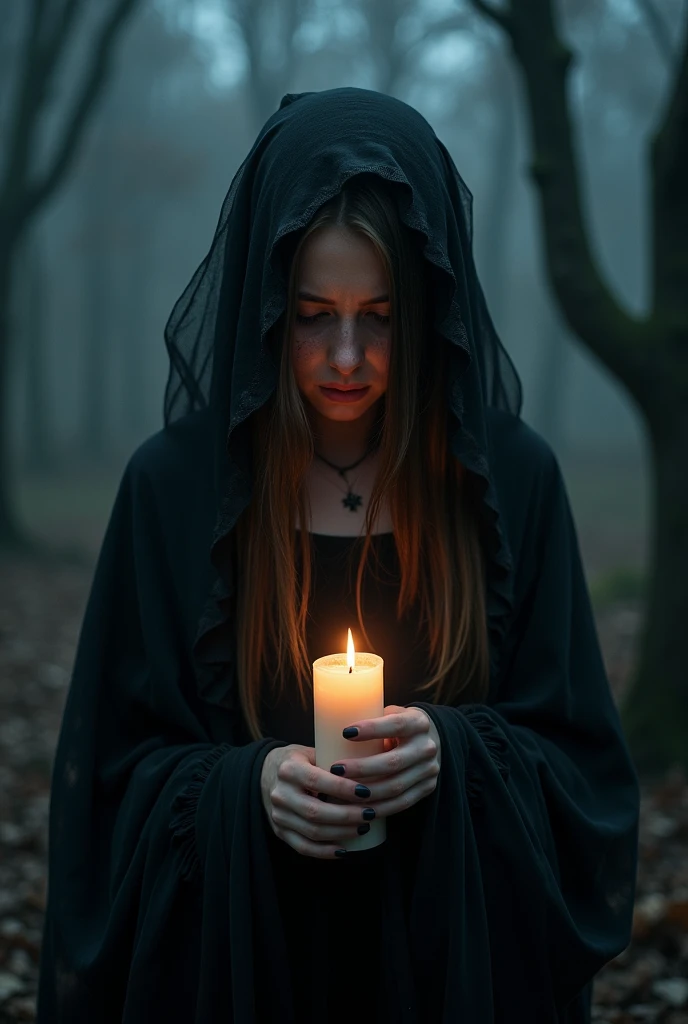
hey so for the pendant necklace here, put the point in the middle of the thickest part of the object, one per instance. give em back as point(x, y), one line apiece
point(351, 501)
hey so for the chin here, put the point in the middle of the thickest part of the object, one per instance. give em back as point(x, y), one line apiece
point(342, 413)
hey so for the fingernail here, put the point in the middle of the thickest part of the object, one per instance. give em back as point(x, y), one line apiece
point(368, 814)
point(337, 769)
point(362, 791)
point(339, 853)
point(322, 796)
point(362, 829)
point(350, 732)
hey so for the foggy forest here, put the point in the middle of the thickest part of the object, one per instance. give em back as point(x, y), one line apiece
point(122, 123)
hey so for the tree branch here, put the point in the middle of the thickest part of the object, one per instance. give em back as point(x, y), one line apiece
point(29, 97)
point(588, 305)
point(659, 30)
point(294, 13)
point(56, 44)
point(36, 70)
point(672, 131)
point(500, 17)
point(452, 23)
point(92, 86)
point(670, 193)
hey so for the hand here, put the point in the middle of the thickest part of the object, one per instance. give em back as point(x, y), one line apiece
point(290, 783)
point(407, 770)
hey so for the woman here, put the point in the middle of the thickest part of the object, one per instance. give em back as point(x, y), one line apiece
point(194, 874)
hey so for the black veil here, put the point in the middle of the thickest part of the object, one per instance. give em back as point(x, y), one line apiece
point(357, 122)
point(216, 334)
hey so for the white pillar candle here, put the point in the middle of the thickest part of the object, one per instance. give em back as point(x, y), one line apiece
point(348, 688)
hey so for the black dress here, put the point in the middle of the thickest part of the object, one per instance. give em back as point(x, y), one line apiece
point(507, 888)
point(333, 609)
point(169, 898)
point(334, 932)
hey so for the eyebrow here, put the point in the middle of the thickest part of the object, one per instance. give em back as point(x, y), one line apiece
point(329, 302)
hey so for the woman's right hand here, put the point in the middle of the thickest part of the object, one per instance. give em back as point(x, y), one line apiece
point(290, 782)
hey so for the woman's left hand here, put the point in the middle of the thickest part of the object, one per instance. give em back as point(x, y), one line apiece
point(407, 770)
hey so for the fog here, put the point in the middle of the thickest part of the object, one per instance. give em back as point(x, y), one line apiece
point(191, 84)
point(122, 125)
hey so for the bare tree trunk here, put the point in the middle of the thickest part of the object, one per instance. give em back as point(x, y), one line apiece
point(26, 187)
point(39, 450)
point(97, 298)
point(391, 63)
point(648, 355)
point(500, 193)
point(551, 381)
point(10, 533)
point(135, 341)
point(656, 711)
point(392, 59)
point(269, 76)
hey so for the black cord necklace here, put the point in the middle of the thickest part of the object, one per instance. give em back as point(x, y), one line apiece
point(351, 501)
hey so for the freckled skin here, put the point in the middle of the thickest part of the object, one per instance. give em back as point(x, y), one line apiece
point(345, 340)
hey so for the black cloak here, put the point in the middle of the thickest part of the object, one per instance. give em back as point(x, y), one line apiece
point(517, 882)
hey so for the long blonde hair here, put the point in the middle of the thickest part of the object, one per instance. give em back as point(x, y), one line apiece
point(433, 516)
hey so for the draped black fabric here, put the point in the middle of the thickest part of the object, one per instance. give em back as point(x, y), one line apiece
point(504, 891)
point(219, 334)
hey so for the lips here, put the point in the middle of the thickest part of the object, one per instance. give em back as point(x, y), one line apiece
point(347, 393)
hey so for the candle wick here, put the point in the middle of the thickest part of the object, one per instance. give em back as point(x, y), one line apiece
point(351, 668)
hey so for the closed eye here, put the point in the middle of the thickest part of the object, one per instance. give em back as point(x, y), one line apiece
point(311, 319)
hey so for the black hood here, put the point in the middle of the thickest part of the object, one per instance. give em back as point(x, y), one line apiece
point(216, 335)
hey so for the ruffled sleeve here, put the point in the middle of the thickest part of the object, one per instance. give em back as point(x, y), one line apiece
point(488, 737)
point(184, 807)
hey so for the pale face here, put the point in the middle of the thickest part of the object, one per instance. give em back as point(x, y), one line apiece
point(342, 330)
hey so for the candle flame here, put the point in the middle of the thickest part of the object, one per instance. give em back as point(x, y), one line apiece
point(350, 653)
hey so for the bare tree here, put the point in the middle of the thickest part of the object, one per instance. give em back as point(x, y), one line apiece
point(659, 29)
point(552, 379)
point(28, 183)
point(32, 336)
point(502, 175)
point(647, 354)
point(137, 161)
point(268, 29)
point(391, 57)
point(392, 48)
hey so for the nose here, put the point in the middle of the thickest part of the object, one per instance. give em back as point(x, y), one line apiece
point(345, 351)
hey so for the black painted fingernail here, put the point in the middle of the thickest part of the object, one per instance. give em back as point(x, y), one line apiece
point(362, 791)
point(362, 829)
point(337, 769)
point(368, 814)
point(322, 796)
point(339, 853)
point(350, 732)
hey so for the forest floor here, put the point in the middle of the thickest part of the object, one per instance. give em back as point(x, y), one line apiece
point(41, 606)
